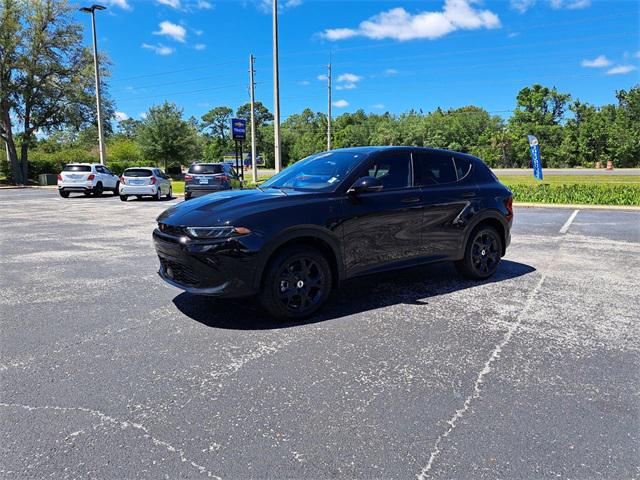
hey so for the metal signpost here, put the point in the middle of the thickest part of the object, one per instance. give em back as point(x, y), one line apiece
point(239, 134)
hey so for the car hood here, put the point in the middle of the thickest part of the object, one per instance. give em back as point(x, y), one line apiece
point(223, 207)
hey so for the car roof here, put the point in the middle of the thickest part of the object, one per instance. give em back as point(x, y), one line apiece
point(373, 149)
point(208, 163)
point(144, 168)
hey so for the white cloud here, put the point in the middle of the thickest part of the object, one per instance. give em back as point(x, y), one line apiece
point(200, 46)
point(120, 116)
point(390, 72)
point(598, 62)
point(569, 4)
point(346, 86)
point(159, 49)
point(172, 30)
point(378, 106)
point(349, 77)
point(637, 54)
point(123, 4)
point(304, 83)
point(142, 115)
point(204, 5)
point(621, 69)
point(399, 24)
point(171, 3)
point(322, 77)
point(267, 5)
point(524, 5)
point(341, 103)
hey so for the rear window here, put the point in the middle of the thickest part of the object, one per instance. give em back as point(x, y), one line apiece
point(463, 167)
point(138, 172)
point(206, 169)
point(76, 168)
point(483, 173)
point(433, 168)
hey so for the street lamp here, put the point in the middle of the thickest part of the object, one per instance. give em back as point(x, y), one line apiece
point(92, 10)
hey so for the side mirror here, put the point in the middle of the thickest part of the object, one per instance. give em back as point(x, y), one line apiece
point(366, 184)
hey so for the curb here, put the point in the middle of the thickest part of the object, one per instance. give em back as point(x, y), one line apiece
point(576, 206)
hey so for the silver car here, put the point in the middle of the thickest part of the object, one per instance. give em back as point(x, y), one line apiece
point(145, 181)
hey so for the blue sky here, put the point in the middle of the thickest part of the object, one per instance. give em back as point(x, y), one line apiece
point(387, 55)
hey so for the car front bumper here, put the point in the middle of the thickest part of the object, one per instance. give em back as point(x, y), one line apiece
point(221, 268)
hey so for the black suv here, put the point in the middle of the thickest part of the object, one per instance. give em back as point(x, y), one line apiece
point(333, 216)
point(205, 178)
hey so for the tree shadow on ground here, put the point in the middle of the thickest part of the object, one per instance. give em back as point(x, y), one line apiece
point(411, 286)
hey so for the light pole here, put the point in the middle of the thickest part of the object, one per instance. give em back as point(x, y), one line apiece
point(92, 10)
point(276, 92)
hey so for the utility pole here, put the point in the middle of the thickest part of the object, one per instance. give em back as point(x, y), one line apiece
point(276, 92)
point(329, 105)
point(252, 83)
point(92, 10)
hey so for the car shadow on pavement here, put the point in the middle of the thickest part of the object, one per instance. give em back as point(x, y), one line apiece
point(412, 286)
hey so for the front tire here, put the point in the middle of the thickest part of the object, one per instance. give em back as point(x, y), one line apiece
point(123, 198)
point(482, 254)
point(296, 284)
point(63, 194)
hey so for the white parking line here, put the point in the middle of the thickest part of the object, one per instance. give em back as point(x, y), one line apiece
point(567, 224)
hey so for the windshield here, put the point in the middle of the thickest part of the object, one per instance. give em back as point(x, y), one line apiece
point(206, 169)
point(321, 172)
point(76, 168)
point(137, 172)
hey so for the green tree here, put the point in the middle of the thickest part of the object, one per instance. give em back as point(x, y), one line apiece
point(218, 121)
point(166, 138)
point(45, 75)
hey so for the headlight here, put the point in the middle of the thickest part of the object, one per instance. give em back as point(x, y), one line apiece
point(216, 232)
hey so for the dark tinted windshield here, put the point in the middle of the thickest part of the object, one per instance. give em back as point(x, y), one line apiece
point(138, 172)
point(324, 171)
point(76, 168)
point(206, 169)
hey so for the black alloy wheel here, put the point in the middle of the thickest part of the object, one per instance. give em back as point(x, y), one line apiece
point(297, 284)
point(482, 254)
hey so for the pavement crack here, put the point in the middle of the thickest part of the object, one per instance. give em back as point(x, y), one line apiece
point(123, 424)
point(480, 379)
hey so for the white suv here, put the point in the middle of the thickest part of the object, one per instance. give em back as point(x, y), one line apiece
point(87, 178)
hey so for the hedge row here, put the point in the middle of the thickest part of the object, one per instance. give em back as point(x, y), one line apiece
point(586, 194)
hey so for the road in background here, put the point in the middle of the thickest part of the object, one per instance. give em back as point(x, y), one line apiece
point(568, 171)
point(107, 372)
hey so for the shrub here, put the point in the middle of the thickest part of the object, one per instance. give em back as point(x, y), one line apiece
point(587, 194)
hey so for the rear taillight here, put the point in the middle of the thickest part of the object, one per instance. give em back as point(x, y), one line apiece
point(59, 177)
point(122, 180)
point(508, 203)
point(153, 180)
point(223, 178)
point(188, 178)
point(91, 177)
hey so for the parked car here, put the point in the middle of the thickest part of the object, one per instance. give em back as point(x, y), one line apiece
point(86, 178)
point(145, 182)
point(334, 216)
point(205, 178)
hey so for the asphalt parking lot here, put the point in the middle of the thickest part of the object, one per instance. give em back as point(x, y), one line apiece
point(106, 372)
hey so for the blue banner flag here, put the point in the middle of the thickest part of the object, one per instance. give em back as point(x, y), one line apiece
point(534, 147)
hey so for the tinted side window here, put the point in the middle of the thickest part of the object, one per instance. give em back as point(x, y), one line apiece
point(99, 169)
point(463, 167)
point(392, 168)
point(434, 169)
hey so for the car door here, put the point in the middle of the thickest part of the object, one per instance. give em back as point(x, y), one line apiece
point(383, 228)
point(110, 178)
point(165, 180)
point(447, 191)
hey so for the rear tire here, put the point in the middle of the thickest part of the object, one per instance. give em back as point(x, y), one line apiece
point(170, 194)
point(86, 194)
point(139, 197)
point(97, 190)
point(116, 191)
point(124, 198)
point(482, 253)
point(158, 195)
point(297, 283)
point(63, 194)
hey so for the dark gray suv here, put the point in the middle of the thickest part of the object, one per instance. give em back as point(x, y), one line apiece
point(204, 178)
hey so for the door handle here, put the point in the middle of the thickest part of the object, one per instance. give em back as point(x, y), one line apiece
point(468, 194)
point(411, 200)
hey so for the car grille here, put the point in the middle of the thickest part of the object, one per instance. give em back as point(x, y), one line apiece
point(179, 272)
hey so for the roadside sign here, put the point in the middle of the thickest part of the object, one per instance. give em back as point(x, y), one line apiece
point(238, 129)
point(534, 148)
